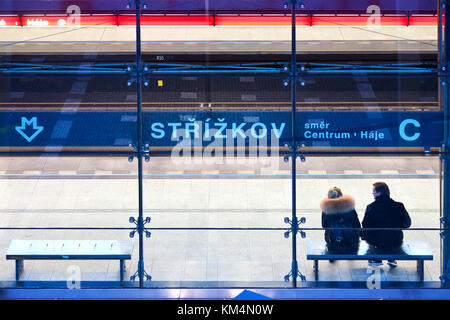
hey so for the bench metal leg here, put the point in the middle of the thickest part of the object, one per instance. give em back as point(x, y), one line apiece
point(122, 269)
point(316, 270)
point(19, 268)
point(420, 270)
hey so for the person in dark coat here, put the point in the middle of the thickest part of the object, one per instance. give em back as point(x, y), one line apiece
point(384, 213)
point(338, 211)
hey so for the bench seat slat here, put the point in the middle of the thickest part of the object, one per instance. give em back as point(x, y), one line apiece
point(21, 250)
point(68, 257)
point(411, 250)
point(69, 249)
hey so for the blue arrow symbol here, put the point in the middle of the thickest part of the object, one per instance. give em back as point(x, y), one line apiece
point(25, 123)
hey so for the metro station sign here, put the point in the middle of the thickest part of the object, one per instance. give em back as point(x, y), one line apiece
point(220, 128)
point(314, 128)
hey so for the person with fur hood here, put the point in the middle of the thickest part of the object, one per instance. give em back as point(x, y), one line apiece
point(338, 211)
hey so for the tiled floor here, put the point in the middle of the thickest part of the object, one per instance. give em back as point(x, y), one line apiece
point(205, 255)
point(45, 167)
point(217, 39)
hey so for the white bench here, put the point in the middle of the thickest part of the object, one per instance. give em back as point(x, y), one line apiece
point(410, 250)
point(20, 250)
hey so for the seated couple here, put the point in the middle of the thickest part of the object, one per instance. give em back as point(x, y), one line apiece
point(338, 211)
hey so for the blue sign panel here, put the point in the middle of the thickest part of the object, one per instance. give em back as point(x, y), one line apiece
point(227, 128)
point(67, 129)
point(314, 129)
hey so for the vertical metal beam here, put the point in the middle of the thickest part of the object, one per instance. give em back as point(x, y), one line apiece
point(444, 51)
point(139, 79)
point(294, 145)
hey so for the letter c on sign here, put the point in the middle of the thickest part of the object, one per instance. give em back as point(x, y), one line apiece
point(402, 127)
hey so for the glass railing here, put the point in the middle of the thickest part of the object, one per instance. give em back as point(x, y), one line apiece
point(173, 166)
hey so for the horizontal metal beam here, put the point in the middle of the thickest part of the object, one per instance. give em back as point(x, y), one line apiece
point(280, 68)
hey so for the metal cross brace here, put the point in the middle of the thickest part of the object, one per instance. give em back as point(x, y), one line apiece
point(144, 273)
point(140, 228)
point(295, 227)
point(298, 154)
point(295, 271)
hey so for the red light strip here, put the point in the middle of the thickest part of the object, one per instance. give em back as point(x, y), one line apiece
point(168, 20)
point(260, 20)
point(9, 22)
point(359, 21)
point(112, 20)
point(423, 21)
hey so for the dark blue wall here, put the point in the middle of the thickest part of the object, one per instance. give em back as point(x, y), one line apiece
point(344, 5)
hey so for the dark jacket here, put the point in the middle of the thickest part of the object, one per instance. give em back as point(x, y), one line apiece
point(385, 213)
point(340, 213)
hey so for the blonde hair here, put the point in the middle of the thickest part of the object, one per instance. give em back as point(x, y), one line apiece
point(334, 193)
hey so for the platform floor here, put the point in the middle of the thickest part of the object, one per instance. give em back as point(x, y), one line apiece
point(218, 39)
point(96, 193)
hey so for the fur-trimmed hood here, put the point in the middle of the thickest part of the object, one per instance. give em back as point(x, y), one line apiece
point(339, 205)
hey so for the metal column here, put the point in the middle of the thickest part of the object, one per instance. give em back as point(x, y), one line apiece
point(444, 51)
point(294, 222)
point(294, 146)
point(139, 79)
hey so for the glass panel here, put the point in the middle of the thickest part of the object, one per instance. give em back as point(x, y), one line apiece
point(218, 178)
point(368, 92)
point(68, 105)
point(359, 274)
point(57, 198)
point(65, 271)
point(196, 93)
point(216, 187)
point(217, 206)
point(217, 258)
point(83, 30)
point(394, 29)
point(69, 113)
point(412, 180)
point(69, 92)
